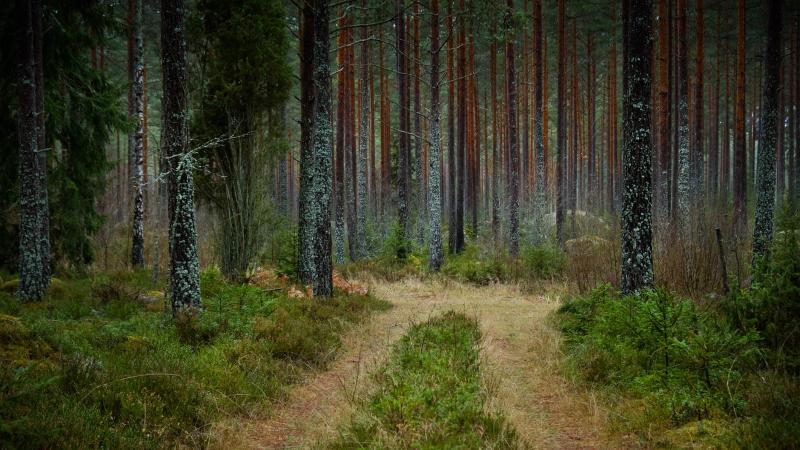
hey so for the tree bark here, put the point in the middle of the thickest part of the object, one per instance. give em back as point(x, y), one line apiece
point(765, 181)
point(637, 257)
point(137, 181)
point(561, 157)
point(32, 283)
point(435, 254)
point(739, 178)
point(513, 185)
point(184, 264)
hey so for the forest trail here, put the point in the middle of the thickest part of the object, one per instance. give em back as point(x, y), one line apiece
point(520, 369)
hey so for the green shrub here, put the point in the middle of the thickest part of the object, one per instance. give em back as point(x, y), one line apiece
point(469, 266)
point(657, 346)
point(543, 261)
point(771, 307)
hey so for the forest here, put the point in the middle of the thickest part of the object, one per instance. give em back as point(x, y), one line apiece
point(400, 224)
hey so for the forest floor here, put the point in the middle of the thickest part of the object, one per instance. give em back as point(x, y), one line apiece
point(521, 357)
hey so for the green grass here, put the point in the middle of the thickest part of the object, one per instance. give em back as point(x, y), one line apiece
point(93, 365)
point(429, 395)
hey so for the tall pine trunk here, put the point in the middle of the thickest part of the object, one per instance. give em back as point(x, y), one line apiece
point(739, 178)
point(32, 282)
point(540, 202)
point(561, 130)
point(363, 144)
point(137, 181)
point(184, 264)
point(435, 254)
point(684, 175)
point(637, 255)
point(316, 181)
point(765, 181)
point(513, 185)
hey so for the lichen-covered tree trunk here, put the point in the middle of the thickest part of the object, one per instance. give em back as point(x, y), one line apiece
point(404, 147)
point(540, 202)
point(663, 119)
point(452, 247)
point(513, 185)
point(137, 180)
point(419, 192)
point(32, 284)
point(435, 253)
point(461, 146)
point(713, 132)
point(38, 68)
point(495, 138)
point(637, 256)
point(339, 175)
point(765, 181)
point(561, 130)
point(684, 174)
point(184, 264)
point(363, 144)
point(739, 176)
point(699, 112)
point(316, 183)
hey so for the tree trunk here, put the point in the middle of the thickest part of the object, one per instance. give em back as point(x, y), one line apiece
point(44, 234)
point(137, 97)
point(462, 129)
point(363, 144)
point(713, 138)
point(765, 182)
point(684, 175)
point(495, 137)
point(452, 245)
point(662, 127)
point(184, 264)
point(637, 257)
point(435, 255)
point(32, 283)
point(561, 157)
point(339, 184)
point(417, 175)
point(699, 111)
point(403, 148)
point(739, 150)
point(540, 202)
point(513, 185)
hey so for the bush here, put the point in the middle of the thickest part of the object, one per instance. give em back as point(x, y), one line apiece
point(543, 261)
point(659, 347)
point(92, 367)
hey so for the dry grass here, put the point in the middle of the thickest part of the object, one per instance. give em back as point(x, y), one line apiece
point(521, 356)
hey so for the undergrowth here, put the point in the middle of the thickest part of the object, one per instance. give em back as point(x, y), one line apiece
point(98, 363)
point(429, 395)
point(721, 373)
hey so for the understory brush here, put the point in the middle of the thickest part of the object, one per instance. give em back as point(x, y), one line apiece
point(100, 362)
point(724, 373)
point(429, 395)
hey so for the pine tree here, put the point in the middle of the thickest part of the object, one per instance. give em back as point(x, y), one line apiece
point(513, 151)
point(137, 98)
point(435, 254)
point(765, 181)
point(363, 136)
point(315, 267)
point(637, 255)
point(184, 264)
point(32, 284)
point(684, 174)
point(561, 127)
point(739, 176)
point(540, 204)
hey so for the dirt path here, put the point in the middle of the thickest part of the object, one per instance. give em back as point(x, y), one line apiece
point(520, 369)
